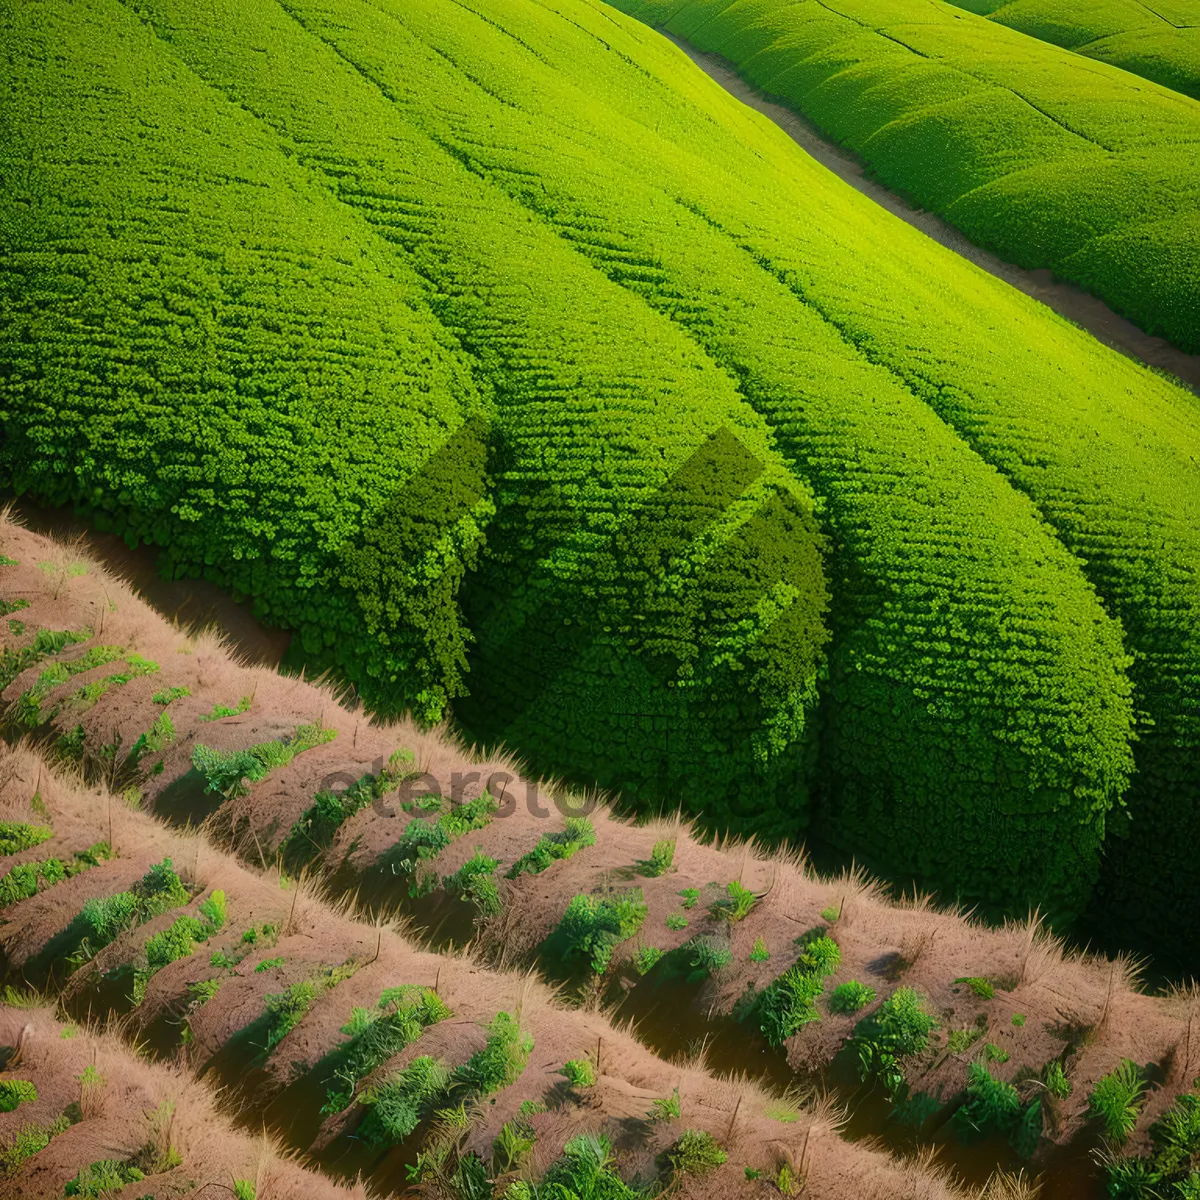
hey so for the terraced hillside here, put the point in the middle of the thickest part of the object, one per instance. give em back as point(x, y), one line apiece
point(1158, 41)
point(728, 502)
point(366, 1051)
point(1034, 153)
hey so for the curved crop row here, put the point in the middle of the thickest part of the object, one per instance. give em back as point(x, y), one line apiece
point(1106, 451)
point(1031, 151)
point(1159, 41)
point(901, 707)
point(358, 1050)
point(626, 471)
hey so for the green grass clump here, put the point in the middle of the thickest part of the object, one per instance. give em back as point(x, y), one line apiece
point(16, 836)
point(690, 896)
point(897, 1030)
point(231, 772)
point(850, 997)
point(736, 904)
point(179, 940)
point(27, 879)
point(587, 1169)
point(980, 986)
point(789, 1002)
point(220, 711)
point(171, 694)
point(646, 959)
point(759, 952)
point(551, 847)
point(15, 1092)
point(994, 1107)
point(580, 1072)
point(315, 828)
point(103, 1177)
point(27, 1141)
point(244, 1189)
point(399, 1017)
point(665, 1108)
point(1169, 1168)
point(661, 858)
point(676, 922)
point(474, 881)
point(395, 1107)
point(1055, 1079)
point(502, 1059)
point(28, 710)
point(593, 926)
point(424, 839)
point(1117, 1099)
point(696, 1153)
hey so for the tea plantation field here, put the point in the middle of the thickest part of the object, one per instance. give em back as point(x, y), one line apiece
point(1160, 41)
point(537, 384)
point(1046, 158)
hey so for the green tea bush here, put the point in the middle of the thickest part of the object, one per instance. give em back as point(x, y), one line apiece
point(1169, 1168)
point(646, 959)
point(424, 839)
point(898, 1029)
point(554, 846)
point(593, 926)
point(661, 857)
point(179, 940)
point(586, 1169)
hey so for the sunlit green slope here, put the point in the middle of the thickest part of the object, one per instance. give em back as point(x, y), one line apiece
point(1044, 157)
point(1160, 40)
point(743, 436)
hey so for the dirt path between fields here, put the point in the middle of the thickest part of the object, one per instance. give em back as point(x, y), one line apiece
point(1066, 299)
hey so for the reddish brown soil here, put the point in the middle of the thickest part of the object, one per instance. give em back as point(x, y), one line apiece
point(119, 1119)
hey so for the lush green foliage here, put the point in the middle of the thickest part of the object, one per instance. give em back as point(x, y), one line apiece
point(789, 1002)
point(580, 1072)
point(24, 880)
point(1117, 1099)
point(736, 904)
point(896, 1030)
point(983, 988)
point(502, 1059)
point(886, 409)
point(100, 1178)
point(16, 836)
point(849, 997)
point(27, 1141)
point(587, 1170)
point(231, 771)
point(1050, 161)
point(994, 1107)
point(376, 1034)
point(179, 940)
point(1161, 45)
point(594, 926)
point(646, 959)
point(15, 1092)
point(696, 1153)
point(424, 839)
point(475, 882)
point(1169, 1169)
point(316, 827)
point(1055, 1079)
point(104, 918)
point(553, 846)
